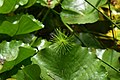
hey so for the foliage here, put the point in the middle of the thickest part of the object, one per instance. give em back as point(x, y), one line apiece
point(59, 40)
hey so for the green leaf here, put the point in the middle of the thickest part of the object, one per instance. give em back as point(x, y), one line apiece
point(9, 50)
point(24, 25)
point(22, 53)
point(78, 64)
point(23, 2)
point(65, 60)
point(30, 3)
point(50, 3)
point(8, 28)
point(32, 72)
point(7, 6)
point(89, 40)
point(27, 25)
point(113, 58)
point(19, 75)
point(79, 11)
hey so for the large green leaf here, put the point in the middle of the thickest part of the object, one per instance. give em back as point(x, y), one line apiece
point(24, 25)
point(77, 64)
point(65, 60)
point(79, 11)
point(7, 6)
point(113, 58)
point(13, 53)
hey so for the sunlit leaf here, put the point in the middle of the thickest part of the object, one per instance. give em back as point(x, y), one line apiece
point(23, 2)
point(30, 3)
point(7, 6)
point(9, 50)
point(13, 53)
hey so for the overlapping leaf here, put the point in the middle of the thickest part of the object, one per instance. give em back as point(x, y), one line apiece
point(113, 58)
point(12, 53)
point(24, 25)
point(80, 12)
point(7, 6)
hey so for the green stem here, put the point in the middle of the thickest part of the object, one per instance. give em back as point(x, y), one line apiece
point(45, 15)
point(109, 65)
point(68, 27)
point(74, 33)
point(102, 14)
point(111, 18)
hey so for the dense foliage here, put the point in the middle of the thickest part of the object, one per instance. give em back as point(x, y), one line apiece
point(59, 40)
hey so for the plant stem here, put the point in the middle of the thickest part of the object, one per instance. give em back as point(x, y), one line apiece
point(45, 15)
point(111, 18)
point(109, 65)
point(102, 14)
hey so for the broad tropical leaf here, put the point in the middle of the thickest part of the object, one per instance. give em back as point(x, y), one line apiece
point(65, 60)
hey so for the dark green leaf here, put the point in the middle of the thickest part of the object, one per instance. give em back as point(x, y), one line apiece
point(65, 60)
point(89, 40)
point(32, 72)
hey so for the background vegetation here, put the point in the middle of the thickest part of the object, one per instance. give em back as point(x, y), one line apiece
point(59, 40)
